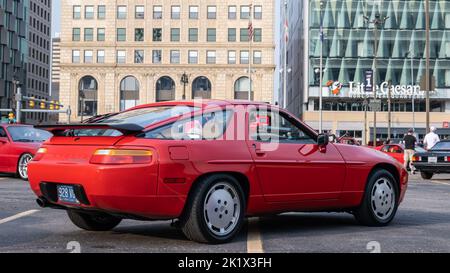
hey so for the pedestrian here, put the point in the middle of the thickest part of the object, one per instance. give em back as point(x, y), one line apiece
point(410, 149)
point(431, 139)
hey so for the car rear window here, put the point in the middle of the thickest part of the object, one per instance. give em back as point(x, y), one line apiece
point(442, 146)
point(28, 134)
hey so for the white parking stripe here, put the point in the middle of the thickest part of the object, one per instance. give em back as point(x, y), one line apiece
point(254, 242)
point(17, 216)
point(440, 182)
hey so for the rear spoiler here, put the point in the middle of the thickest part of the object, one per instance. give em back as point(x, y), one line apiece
point(124, 128)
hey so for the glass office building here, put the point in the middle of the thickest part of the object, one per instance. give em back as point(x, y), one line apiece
point(349, 51)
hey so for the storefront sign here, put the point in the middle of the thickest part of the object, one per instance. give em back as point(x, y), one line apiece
point(358, 90)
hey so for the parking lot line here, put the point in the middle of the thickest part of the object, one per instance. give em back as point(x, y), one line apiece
point(17, 216)
point(254, 242)
point(440, 182)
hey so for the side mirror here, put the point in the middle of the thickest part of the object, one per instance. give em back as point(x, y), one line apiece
point(323, 140)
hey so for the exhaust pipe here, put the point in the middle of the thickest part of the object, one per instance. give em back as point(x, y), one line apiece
point(43, 203)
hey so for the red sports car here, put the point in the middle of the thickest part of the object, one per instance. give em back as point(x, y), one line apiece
point(18, 144)
point(209, 165)
point(397, 151)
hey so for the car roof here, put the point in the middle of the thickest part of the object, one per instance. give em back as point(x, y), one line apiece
point(6, 125)
point(200, 103)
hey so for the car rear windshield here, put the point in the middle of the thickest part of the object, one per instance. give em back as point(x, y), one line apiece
point(442, 146)
point(28, 134)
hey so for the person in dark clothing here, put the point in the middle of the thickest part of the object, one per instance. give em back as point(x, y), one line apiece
point(410, 149)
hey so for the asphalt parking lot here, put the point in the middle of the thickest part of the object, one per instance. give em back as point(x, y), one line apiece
point(422, 225)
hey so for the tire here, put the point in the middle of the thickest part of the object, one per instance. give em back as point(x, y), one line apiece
point(426, 175)
point(93, 222)
point(380, 202)
point(22, 166)
point(215, 211)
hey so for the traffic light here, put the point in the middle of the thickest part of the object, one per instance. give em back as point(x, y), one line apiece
point(42, 105)
point(32, 104)
point(57, 105)
point(11, 118)
point(52, 105)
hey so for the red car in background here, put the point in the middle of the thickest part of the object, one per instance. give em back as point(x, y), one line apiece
point(18, 145)
point(209, 165)
point(397, 151)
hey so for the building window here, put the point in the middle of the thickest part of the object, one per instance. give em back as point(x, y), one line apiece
point(231, 35)
point(174, 56)
point(232, 12)
point(157, 56)
point(121, 12)
point(211, 35)
point(89, 34)
point(121, 56)
point(193, 57)
point(245, 12)
point(244, 57)
point(244, 35)
point(157, 12)
point(210, 57)
point(231, 57)
point(75, 56)
point(100, 56)
point(76, 33)
point(175, 35)
point(139, 12)
point(139, 35)
point(201, 88)
point(76, 12)
point(100, 34)
point(175, 12)
point(121, 34)
point(101, 13)
point(129, 93)
point(242, 88)
point(193, 35)
point(157, 34)
point(257, 35)
point(258, 12)
point(212, 12)
point(89, 12)
point(193, 12)
point(257, 57)
point(165, 89)
point(87, 96)
point(88, 56)
point(139, 56)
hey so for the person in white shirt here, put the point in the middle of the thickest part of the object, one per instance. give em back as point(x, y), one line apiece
point(431, 139)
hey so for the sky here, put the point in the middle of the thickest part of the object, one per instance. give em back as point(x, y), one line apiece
point(56, 21)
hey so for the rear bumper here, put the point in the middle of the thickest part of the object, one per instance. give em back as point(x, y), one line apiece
point(433, 168)
point(124, 190)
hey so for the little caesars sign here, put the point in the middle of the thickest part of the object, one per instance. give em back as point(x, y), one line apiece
point(358, 90)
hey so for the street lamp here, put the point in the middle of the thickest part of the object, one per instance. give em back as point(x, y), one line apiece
point(321, 70)
point(184, 81)
point(82, 96)
point(378, 21)
point(411, 54)
point(17, 97)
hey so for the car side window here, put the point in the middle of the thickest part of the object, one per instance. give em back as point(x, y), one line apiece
point(268, 126)
point(208, 126)
point(2, 132)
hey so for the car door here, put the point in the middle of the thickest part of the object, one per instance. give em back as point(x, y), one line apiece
point(290, 165)
point(4, 150)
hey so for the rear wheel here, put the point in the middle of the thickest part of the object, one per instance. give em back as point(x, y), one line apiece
point(93, 222)
point(380, 201)
point(215, 212)
point(426, 175)
point(22, 166)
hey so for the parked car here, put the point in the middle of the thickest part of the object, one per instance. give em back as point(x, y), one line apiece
point(397, 151)
point(18, 145)
point(436, 160)
point(209, 165)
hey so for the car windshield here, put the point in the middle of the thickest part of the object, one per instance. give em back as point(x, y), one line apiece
point(28, 134)
point(441, 146)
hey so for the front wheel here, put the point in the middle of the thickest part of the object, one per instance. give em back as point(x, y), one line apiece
point(93, 222)
point(380, 201)
point(426, 175)
point(215, 212)
point(22, 166)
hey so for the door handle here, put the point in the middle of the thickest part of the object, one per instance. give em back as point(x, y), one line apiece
point(258, 150)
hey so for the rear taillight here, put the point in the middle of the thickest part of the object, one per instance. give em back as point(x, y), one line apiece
point(118, 157)
point(40, 154)
point(447, 159)
point(416, 158)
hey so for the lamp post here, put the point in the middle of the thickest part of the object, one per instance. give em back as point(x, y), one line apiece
point(413, 100)
point(184, 81)
point(82, 96)
point(18, 98)
point(427, 66)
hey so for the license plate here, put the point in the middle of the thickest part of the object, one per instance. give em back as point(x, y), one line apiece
point(66, 194)
point(432, 160)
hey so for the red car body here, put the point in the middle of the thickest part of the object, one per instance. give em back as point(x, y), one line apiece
point(397, 151)
point(293, 177)
point(11, 151)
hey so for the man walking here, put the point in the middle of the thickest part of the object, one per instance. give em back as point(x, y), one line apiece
point(431, 139)
point(410, 149)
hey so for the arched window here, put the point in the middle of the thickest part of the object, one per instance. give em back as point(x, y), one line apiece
point(87, 96)
point(201, 88)
point(241, 89)
point(129, 93)
point(165, 89)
